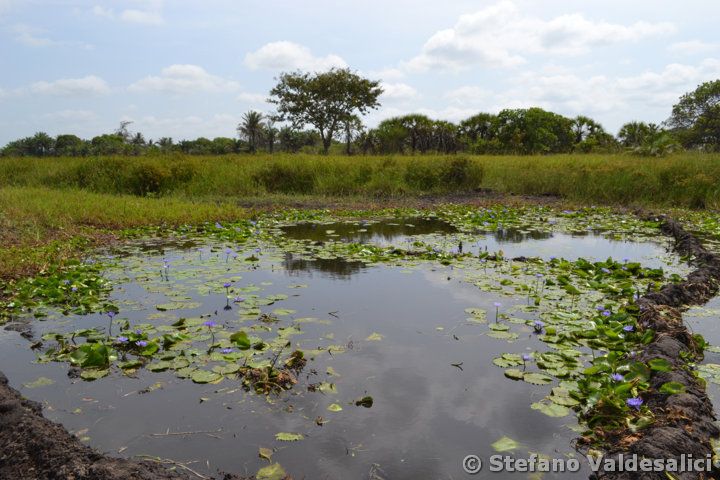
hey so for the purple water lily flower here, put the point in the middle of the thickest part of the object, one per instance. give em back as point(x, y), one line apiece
point(497, 304)
point(239, 299)
point(227, 284)
point(138, 331)
point(210, 324)
point(617, 377)
point(526, 357)
point(634, 402)
point(74, 289)
point(66, 282)
point(599, 308)
point(141, 343)
point(217, 225)
point(111, 314)
point(538, 325)
point(227, 350)
point(121, 339)
point(605, 270)
point(606, 313)
point(628, 328)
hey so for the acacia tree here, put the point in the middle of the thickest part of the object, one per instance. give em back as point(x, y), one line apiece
point(251, 129)
point(327, 100)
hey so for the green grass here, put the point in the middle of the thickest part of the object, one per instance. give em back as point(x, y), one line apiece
point(42, 226)
point(684, 180)
point(53, 208)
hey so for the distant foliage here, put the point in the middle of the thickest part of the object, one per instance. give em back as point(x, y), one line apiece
point(332, 103)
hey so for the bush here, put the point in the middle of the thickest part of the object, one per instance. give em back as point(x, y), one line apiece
point(421, 175)
point(285, 178)
point(461, 173)
point(147, 178)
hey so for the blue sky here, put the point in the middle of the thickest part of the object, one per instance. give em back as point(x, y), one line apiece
point(189, 68)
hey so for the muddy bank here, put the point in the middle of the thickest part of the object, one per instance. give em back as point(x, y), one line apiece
point(685, 422)
point(34, 448)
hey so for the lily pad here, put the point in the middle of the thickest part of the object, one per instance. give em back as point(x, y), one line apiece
point(505, 444)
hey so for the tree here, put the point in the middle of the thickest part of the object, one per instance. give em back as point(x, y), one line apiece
point(270, 134)
point(324, 100)
point(70, 145)
point(123, 131)
point(352, 127)
point(695, 118)
point(534, 130)
point(634, 134)
point(251, 128)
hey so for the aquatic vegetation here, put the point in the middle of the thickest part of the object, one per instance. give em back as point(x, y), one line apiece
point(209, 313)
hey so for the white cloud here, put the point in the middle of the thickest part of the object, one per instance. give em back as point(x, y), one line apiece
point(150, 13)
point(693, 47)
point(468, 95)
point(398, 91)
point(141, 16)
point(71, 115)
point(252, 98)
point(89, 85)
point(184, 79)
point(31, 36)
point(568, 93)
point(103, 12)
point(290, 56)
point(501, 35)
point(386, 74)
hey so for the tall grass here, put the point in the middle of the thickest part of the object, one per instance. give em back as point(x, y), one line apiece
point(682, 180)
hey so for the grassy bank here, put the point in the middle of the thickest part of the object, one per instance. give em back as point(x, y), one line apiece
point(53, 208)
point(684, 180)
point(42, 226)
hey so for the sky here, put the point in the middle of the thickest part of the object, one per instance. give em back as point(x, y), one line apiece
point(191, 68)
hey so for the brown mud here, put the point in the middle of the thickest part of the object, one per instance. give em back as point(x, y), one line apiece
point(685, 422)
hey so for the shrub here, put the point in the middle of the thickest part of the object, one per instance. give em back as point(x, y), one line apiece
point(148, 178)
point(461, 173)
point(422, 175)
point(285, 178)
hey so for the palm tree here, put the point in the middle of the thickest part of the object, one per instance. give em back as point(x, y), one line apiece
point(251, 128)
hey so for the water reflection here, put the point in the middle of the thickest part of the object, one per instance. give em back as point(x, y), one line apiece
point(335, 268)
point(383, 231)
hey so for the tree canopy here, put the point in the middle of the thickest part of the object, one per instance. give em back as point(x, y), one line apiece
point(696, 117)
point(326, 100)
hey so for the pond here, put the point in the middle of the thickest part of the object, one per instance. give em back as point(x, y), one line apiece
point(407, 356)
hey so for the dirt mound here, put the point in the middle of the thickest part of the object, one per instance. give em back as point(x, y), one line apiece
point(34, 448)
point(685, 422)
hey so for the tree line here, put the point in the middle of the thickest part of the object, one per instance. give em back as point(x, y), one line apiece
point(322, 112)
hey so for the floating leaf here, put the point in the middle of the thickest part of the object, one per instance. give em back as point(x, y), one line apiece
point(551, 409)
point(374, 337)
point(537, 378)
point(39, 382)
point(334, 407)
point(289, 437)
point(265, 453)
point(93, 374)
point(205, 376)
point(271, 472)
point(514, 374)
point(505, 444)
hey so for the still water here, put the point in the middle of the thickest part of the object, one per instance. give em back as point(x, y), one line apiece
point(397, 333)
